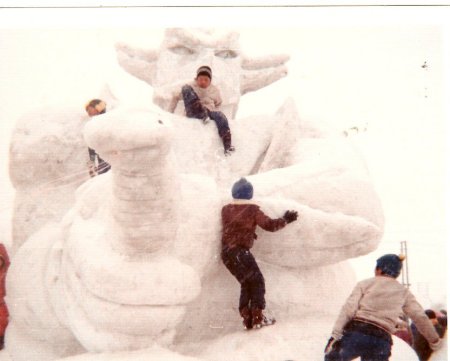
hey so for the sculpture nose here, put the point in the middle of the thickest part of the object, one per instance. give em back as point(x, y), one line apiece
point(207, 57)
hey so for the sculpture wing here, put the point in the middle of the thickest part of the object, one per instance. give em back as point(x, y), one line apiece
point(138, 62)
point(260, 72)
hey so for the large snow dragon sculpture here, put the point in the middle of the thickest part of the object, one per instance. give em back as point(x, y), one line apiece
point(130, 260)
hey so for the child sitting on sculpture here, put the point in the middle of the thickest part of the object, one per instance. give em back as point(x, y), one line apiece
point(202, 100)
point(239, 221)
point(96, 164)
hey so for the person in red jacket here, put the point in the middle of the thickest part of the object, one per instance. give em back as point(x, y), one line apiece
point(4, 264)
point(239, 221)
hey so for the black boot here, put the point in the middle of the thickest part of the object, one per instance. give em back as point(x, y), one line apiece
point(246, 315)
point(226, 139)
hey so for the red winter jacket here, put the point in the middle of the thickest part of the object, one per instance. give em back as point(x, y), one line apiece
point(4, 264)
point(239, 221)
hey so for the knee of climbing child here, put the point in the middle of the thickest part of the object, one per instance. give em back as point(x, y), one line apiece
point(258, 278)
point(186, 88)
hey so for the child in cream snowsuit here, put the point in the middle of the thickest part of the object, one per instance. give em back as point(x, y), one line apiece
point(372, 313)
point(202, 100)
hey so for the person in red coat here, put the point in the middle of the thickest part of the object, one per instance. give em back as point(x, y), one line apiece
point(4, 264)
point(239, 222)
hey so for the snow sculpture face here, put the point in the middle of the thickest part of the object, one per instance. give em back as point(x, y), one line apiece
point(152, 283)
point(183, 51)
point(126, 276)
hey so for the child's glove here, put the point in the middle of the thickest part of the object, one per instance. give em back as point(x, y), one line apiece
point(436, 345)
point(332, 344)
point(290, 216)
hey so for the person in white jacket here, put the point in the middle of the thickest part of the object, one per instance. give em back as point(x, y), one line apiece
point(372, 313)
point(202, 100)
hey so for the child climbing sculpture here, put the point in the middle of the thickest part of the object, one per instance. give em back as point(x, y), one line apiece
point(372, 313)
point(202, 100)
point(96, 164)
point(239, 221)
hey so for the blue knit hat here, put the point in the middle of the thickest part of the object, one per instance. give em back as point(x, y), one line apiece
point(242, 189)
point(390, 264)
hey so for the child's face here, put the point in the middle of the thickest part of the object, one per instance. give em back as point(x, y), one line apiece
point(203, 81)
point(92, 111)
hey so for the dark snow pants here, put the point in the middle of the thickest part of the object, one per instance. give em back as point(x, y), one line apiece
point(362, 340)
point(242, 265)
point(191, 101)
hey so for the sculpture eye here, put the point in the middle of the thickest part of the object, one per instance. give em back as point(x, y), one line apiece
point(226, 54)
point(182, 50)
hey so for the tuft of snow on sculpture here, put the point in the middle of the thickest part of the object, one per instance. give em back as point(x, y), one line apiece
point(442, 353)
point(134, 264)
point(47, 163)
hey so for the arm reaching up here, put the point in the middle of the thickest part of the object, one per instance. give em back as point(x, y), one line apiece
point(268, 223)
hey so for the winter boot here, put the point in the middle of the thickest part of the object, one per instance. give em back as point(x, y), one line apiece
point(226, 139)
point(247, 317)
point(260, 320)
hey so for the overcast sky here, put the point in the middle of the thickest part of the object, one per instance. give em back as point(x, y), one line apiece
point(388, 76)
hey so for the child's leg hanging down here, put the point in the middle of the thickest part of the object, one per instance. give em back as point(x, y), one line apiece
point(223, 128)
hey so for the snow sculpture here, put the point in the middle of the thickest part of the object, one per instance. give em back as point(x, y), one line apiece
point(48, 158)
point(441, 354)
point(134, 263)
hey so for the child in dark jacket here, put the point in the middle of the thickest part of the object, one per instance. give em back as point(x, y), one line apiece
point(239, 221)
point(202, 100)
